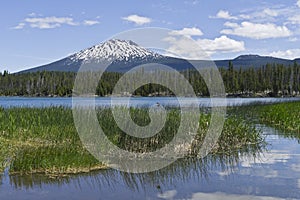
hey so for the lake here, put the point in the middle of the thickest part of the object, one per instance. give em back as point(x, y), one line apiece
point(135, 101)
point(273, 174)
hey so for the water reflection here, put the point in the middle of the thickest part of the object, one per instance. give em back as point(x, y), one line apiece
point(224, 196)
point(270, 174)
point(184, 169)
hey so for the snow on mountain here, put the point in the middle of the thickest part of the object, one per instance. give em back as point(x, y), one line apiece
point(123, 55)
point(113, 50)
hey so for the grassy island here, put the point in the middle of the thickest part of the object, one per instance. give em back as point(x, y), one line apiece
point(45, 140)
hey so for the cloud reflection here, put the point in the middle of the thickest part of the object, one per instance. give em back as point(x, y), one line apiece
point(223, 196)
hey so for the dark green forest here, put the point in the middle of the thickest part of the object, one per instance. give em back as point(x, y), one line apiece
point(268, 80)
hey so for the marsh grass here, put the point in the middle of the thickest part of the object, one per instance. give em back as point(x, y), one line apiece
point(44, 140)
point(284, 116)
point(54, 160)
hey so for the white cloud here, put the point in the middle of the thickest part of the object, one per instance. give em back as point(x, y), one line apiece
point(272, 13)
point(231, 25)
point(138, 20)
point(298, 3)
point(188, 32)
point(185, 48)
point(276, 13)
point(90, 22)
point(52, 22)
point(288, 54)
point(257, 30)
point(244, 16)
point(294, 19)
point(263, 14)
point(202, 48)
point(49, 22)
point(32, 14)
point(19, 26)
point(223, 14)
point(221, 44)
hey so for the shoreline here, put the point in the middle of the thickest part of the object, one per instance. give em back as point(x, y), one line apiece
point(231, 96)
point(58, 173)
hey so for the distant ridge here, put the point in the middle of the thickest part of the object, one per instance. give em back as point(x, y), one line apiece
point(252, 60)
point(125, 54)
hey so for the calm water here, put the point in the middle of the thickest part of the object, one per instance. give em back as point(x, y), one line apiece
point(271, 175)
point(136, 101)
point(274, 173)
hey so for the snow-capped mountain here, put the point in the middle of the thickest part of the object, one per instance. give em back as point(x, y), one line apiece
point(114, 50)
point(123, 55)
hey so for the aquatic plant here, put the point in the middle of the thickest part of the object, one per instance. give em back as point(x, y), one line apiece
point(45, 140)
point(284, 116)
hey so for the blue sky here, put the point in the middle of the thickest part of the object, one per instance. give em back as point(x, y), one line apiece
point(35, 32)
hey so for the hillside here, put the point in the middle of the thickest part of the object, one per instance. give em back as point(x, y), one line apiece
point(122, 55)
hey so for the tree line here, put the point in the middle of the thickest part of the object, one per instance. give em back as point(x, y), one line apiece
point(267, 80)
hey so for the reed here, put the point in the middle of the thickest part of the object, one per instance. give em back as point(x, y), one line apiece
point(45, 140)
point(285, 116)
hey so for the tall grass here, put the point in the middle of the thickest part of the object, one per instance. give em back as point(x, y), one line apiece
point(42, 140)
point(45, 140)
point(53, 160)
point(284, 116)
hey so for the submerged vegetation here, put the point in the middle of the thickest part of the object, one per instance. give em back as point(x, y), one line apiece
point(44, 140)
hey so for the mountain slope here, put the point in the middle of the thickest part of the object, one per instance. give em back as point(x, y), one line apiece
point(123, 55)
point(119, 53)
point(113, 50)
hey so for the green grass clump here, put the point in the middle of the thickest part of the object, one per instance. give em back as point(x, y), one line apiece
point(237, 134)
point(285, 116)
point(53, 160)
point(238, 137)
point(45, 140)
point(42, 140)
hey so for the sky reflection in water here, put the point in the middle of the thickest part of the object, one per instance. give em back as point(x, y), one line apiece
point(273, 174)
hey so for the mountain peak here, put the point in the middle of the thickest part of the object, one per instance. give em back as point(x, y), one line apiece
point(113, 50)
point(122, 55)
